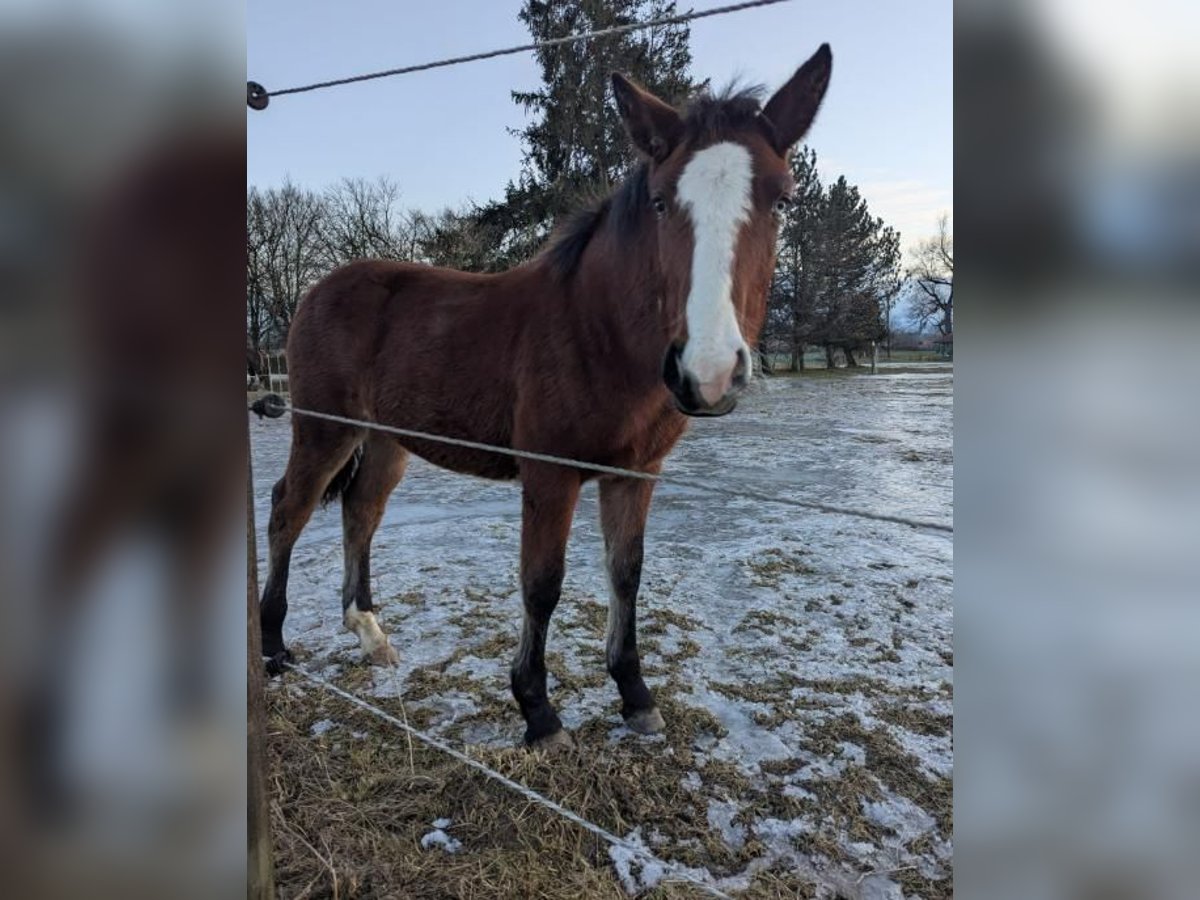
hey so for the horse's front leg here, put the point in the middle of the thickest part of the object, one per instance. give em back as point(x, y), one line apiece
point(549, 494)
point(624, 505)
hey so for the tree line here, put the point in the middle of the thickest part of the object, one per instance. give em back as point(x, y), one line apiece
point(838, 274)
point(295, 236)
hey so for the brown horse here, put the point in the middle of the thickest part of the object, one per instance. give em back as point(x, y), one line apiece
point(638, 314)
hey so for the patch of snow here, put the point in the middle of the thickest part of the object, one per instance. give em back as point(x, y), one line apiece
point(319, 728)
point(721, 814)
point(638, 874)
point(439, 838)
point(879, 887)
point(900, 815)
point(854, 753)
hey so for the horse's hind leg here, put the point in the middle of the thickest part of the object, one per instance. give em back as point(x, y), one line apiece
point(379, 471)
point(624, 505)
point(319, 451)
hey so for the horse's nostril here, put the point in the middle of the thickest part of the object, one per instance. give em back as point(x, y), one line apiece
point(672, 367)
point(741, 369)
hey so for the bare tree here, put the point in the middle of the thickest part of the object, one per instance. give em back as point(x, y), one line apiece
point(285, 248)
point(363, 220)
point(257, 316)
point(932, 277)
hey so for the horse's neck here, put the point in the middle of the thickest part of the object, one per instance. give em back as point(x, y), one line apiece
point(616, 288)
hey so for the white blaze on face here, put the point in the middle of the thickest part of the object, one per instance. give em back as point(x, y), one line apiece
point(714, 189)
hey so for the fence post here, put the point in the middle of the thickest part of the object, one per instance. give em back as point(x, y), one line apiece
point(260, 867)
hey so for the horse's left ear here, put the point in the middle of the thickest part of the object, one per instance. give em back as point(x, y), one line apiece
point(792, 110)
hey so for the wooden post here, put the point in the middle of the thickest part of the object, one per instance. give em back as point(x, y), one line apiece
point(874, 356)
point(260, 866)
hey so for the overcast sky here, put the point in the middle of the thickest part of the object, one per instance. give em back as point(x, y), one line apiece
point(443, 135)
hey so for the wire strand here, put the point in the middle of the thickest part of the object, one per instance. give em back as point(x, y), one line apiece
point(526, 792)
point(675, 480)
point(535, 45)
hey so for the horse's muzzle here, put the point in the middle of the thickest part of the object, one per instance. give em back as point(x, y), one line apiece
point(686, 391)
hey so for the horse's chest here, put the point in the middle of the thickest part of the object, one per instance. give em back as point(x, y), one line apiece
point(651, 437)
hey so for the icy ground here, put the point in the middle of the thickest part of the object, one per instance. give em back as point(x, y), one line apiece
point(776, 621)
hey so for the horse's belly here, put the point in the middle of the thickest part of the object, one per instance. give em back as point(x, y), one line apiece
point(467, 461)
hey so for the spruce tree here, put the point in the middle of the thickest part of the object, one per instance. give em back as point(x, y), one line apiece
point(793, 294)
point(837, 272)
point(576, 144)
point(858, 268)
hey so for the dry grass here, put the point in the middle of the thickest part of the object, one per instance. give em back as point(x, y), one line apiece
point(769, 568)
point(348, 816)
point(657, 619)
point(887, 762)
point(348, 813)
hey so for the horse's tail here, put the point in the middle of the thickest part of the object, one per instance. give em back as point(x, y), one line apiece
point(343, 479)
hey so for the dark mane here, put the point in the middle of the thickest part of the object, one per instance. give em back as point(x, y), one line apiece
point(708, 117)
point(620, 209)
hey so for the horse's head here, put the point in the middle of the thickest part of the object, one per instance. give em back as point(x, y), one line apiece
point(718, 182)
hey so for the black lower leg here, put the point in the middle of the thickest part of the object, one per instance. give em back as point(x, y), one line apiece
point(272, 611)
point(529, 667)
point(624, 664)
point(626, 670)
point(357, 588)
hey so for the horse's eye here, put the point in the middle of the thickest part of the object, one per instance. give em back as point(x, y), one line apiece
point(782, 205)
point(660, 205)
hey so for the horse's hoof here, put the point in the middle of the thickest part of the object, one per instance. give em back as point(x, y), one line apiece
point(560, 740)
point(646, 721)
point(384, 655)
point(278, 661)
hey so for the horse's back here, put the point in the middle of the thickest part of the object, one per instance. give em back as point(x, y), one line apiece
point(410, 345)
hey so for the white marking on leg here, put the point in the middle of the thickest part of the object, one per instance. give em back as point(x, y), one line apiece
point(364, 624)
point(714, 188)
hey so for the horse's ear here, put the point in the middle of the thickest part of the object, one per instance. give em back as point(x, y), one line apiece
point(654, 127)
point(792, 110)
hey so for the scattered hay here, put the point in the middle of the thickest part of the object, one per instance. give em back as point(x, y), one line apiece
point(887, 761)
point(687, 649)
point(349, 814)
point(590, 616)
point(479, 620)
point(769, 568)
point(917, 719)
point(914, 884)
point(657, 619)
point(765, 621)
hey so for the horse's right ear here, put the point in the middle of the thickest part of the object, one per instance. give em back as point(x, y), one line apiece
point(654, 127)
